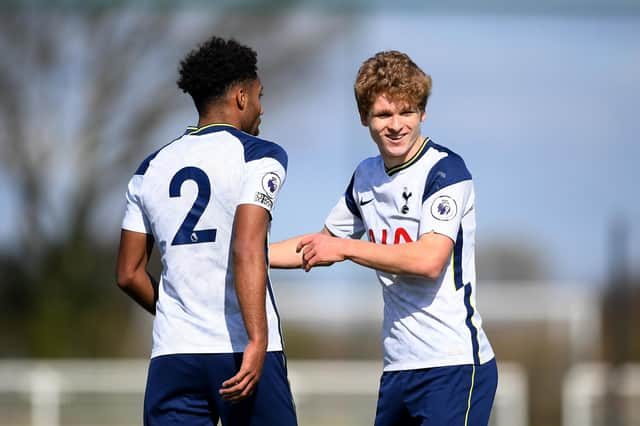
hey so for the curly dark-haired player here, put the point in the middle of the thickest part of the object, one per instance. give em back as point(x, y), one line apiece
point(416, 203)
point(206, 200)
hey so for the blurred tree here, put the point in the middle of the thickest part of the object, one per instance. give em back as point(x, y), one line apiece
point(503, 260)
point(620, 313)
point(86, 94)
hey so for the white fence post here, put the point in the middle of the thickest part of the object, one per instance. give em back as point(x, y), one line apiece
point(45, 396)
point(512, 398)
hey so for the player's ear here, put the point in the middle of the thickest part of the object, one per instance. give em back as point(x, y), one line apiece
point(240, 97)
point(364, 119)
point(423, 116)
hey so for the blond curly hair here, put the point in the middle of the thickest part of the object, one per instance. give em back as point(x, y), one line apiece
point(395, 75)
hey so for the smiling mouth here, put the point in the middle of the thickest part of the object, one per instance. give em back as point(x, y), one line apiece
point(395, 138)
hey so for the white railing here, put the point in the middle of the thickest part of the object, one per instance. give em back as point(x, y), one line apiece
point(586, 387)
point(49, 385)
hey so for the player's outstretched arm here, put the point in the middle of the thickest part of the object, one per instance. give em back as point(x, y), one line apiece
point(283, 255)
point(250, 272)
point(131, 271)
point(286, 254)
point(426, 257)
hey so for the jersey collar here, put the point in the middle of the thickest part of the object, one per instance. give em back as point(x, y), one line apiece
point(395, 169)
point(209, 128)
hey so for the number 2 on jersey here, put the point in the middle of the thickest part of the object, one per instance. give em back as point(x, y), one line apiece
point(186, 233)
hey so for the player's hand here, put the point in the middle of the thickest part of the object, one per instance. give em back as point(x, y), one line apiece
point(243, 384)
point(320, 250)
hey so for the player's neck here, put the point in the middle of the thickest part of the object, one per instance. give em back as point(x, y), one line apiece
point(218, 116)
point(391, 162)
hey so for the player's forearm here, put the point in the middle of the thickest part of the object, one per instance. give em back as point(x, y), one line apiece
point(404, 259)
point(283, 254)
point(131, 269)
point(141, 287)
point(250, 283)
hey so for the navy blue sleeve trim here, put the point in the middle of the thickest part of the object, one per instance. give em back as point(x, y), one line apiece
point(256, 148)
point(142, 168)
point(261, 149)
point(457, 260)
point(446, 172)
point(351, 203)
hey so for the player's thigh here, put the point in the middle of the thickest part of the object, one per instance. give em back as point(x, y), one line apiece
point(391, 409)
point(270, 404)
point(455, 395)
point(177, 392)
point(484, 391)
point(436, 396)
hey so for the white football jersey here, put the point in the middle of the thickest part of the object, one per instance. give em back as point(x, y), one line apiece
point(427, 323)
point(186, 195)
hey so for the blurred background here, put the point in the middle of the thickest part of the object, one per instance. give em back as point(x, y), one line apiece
point(540, 98)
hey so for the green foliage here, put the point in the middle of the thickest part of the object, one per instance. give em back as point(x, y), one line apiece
point(65, 305)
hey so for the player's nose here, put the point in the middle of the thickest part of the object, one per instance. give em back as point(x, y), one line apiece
point(394, 123)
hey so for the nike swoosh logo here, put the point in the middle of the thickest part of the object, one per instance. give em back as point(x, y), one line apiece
point(362, 202)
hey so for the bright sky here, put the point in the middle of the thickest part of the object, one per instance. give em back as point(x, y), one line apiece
point(543, 110)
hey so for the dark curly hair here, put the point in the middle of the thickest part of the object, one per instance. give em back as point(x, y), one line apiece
point(213, 67)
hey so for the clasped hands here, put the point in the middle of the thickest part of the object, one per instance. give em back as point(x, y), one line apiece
point(320, 250)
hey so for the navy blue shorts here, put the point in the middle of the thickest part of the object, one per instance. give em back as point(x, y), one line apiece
point(460, 395)
point(183, 389)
